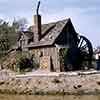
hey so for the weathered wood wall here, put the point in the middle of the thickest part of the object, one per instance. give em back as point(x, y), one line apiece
point(53, 52)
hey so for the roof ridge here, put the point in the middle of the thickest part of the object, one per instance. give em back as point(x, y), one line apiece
point(56, 21)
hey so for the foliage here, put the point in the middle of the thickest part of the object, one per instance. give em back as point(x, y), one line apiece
point(25, 62)
point(62, 54)
point(8, 34)
point(20, 24)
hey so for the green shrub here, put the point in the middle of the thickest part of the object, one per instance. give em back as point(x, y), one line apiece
point(25, 62)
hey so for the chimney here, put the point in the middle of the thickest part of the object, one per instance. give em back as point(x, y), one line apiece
point(37, 24)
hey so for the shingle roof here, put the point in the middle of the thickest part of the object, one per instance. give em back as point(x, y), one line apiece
point(29, 34)
point(49, 33)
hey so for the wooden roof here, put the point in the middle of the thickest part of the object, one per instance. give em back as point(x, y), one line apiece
point(49, 33)
point(29, 34)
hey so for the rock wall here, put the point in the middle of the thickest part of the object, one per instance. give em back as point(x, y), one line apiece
point(50, 84)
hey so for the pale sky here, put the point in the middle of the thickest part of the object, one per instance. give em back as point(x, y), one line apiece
point(84, 14)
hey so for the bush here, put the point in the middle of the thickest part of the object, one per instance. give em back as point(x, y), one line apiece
point(25, 62)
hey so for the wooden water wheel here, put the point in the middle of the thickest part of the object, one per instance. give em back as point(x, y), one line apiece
point(80, 56)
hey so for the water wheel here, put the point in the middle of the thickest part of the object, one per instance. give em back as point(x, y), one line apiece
point(79, 56)
point(86, 50)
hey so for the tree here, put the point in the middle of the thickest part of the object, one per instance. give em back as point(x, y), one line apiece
point(9, 33)
point(20, 24)
point(4, 39)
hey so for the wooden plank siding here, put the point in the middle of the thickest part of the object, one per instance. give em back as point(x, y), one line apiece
point(48, 51)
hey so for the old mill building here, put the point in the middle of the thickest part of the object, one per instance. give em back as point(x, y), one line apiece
point(45, 41)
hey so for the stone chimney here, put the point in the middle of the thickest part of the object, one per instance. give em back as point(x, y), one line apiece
point(37, 25)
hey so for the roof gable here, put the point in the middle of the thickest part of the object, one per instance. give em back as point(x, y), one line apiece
point(55, 31)
point(50, 32)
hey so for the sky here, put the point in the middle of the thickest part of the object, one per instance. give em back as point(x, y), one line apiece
point(84, 14)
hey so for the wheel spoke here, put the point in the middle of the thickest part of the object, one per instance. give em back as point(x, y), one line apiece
point(84, 47)
point(81, 42)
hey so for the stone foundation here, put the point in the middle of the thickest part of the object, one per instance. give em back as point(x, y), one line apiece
point(50, 83)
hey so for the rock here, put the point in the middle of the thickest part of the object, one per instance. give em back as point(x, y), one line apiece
point(50, 84)
point(2, 82)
